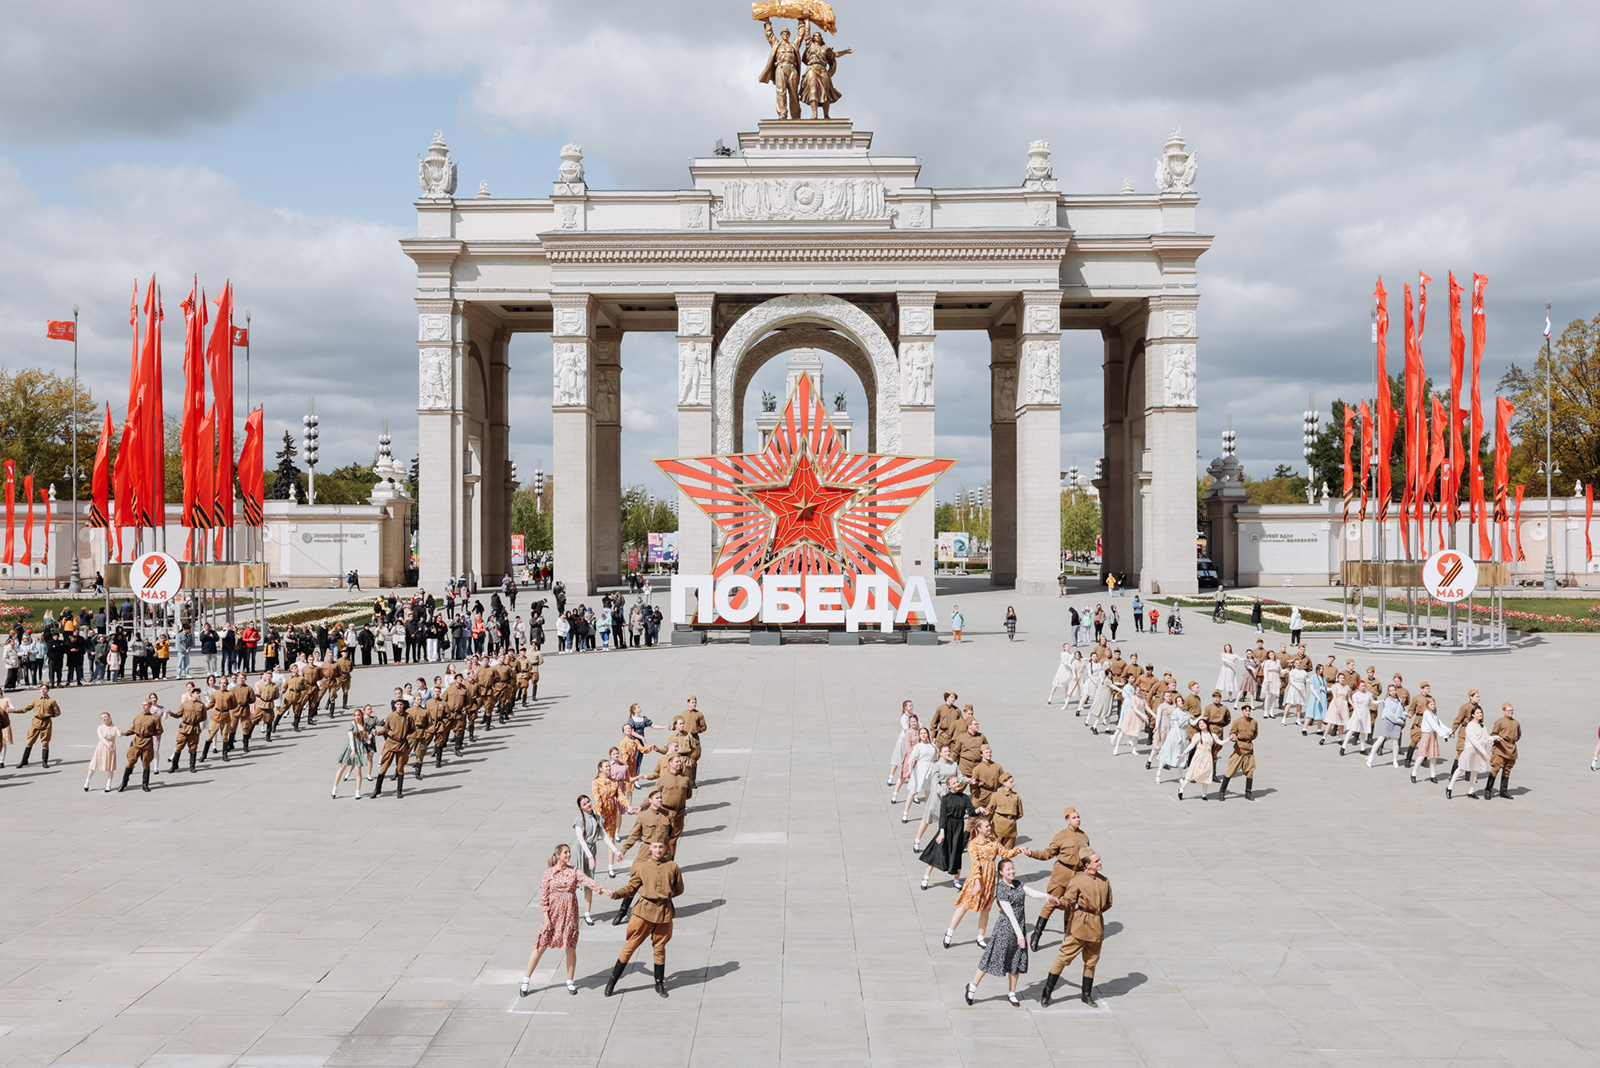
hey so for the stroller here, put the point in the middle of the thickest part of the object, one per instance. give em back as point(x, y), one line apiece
point(1174, 622)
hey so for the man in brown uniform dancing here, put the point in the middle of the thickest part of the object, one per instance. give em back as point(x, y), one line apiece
point(1065, 849)
point(396, 744)
point(146, 728)
point(191, 721)
point(221, 722)
point(1243, 758)
point(1507, 732)
point(656, 881)
point(1087, 898)
point(45, 710)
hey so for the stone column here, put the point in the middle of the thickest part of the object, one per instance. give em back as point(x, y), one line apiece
point(494, 492)
point(607, 405)
point(1170, 442)
point(695, 548)
point(573, 462)
point(441, 443)
point(1003, 455)
point(917, 541)
point(1116, 533)
point(1039, 443)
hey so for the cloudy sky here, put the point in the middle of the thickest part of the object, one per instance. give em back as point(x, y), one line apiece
point(276, 145)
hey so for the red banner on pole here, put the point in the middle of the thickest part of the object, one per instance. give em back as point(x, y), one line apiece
point(1480, 512)
point(1518, 523)
point(44, 501)
point(1383, 405)
point(1458, 352)
point(61, 330)
point(100, 506)
point(1503, 410)
point(1588, 518)
point(241, 337)
point(11, 512)
point(27, 531)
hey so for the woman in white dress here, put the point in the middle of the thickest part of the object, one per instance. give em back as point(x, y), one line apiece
point(1162, 727)
point(1272, 685)
point(1434, 732)
point(901, 744)
point(1294, 695)
point(1174, 745)
point(1135, 715)
point(1360, 716)
point(1100, 703)
point(1474, 754)
point(105, 752)
point(1063, 677)
point(922, 757)
point(1093, 673)
point(1228, 677)
point(1202, 766)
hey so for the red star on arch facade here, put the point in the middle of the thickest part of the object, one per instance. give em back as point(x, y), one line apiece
point(804, 505)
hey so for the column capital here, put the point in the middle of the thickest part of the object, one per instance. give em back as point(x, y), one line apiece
point(916, 313)
point(695, 314)
point(1039, 313)
point(572, 314)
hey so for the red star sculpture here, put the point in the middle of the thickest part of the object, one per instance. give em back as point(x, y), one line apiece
point(803, 505)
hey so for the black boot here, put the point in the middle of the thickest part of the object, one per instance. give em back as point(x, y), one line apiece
point(1505, 781)
point(174, 769)
point(1454, 764)
point(379, 788)
point(616, 973)
point(127, 773)
point(661, 979)
point(400, 784)
point(623, 912)
point(146, 779)
point(1488, 787)
point(1249, 788)
point(418, 772)
point(247, 741)
point(438, 755)
point(1088, 987)
point(25, 753)
point(192, 769)
point(1050, 982)
point(1222, 791)
point(1038, 933)
point(44, 757)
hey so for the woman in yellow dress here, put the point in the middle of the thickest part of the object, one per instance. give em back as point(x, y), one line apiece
point(607, 800)
point(977, 894)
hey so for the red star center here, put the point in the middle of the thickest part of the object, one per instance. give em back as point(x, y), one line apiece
point(802, 509)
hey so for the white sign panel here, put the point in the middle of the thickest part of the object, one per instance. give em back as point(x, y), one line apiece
point(1450, 576)
point(811, 600)
point(156, 578)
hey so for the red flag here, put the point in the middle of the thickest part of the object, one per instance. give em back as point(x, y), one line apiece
point(219, 358)
point(44, 500)
point(11, 512)
point(1349, 472)
point(252, 469)
point(61, 330)
point(206, 470)
point(194, 400)
point(100, 507)
point(27, 531)
point(1436, 463)
point(1384, 406)
point(241, 337)
point(1518, 524)
point(152, 428)
point(129, 477)
point(1458, 352)
point(1419, 372)
point(1366, 453)
point(1413, 439)
point(1503, 410)
point(1588, 517)
point(1480, 514)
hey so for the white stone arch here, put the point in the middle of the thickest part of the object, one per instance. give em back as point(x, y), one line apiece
point(806, 336)
point(815, 309)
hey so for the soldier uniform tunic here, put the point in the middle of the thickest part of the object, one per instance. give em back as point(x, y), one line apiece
point(1087, 898)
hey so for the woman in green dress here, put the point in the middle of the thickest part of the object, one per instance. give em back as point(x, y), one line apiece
point(356, 750)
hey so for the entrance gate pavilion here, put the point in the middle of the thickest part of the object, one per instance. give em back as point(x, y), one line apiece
point(804, 239)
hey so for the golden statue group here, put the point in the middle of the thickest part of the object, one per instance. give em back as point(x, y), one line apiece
point(811, 52)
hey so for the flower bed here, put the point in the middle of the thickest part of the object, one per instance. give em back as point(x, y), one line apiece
point(327, 616)
point(1523, 619)
point(1274, 614)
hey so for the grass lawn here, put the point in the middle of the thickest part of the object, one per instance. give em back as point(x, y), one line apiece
point(30, 612)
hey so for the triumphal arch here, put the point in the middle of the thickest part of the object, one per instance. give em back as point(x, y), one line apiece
point(802, 237)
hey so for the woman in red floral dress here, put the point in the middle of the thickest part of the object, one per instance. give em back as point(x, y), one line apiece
point(558, 897)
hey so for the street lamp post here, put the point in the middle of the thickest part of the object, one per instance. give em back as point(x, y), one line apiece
point(310, 423)
point(74, 579)
point(538, 490)
point(1549, 467)
point(1311, 422)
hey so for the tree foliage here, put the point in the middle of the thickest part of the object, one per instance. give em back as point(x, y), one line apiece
point(1573, 377)
point(36, 427)
point(1080, 521)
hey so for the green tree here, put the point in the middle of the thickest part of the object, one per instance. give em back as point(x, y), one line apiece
point(1573, 374)
point(531, 522)
point(1080, 521)
point(944, 517)
point(36, 428)
point(287, 473)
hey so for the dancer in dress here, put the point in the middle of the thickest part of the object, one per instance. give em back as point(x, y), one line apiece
point(609, 803)
point(900, 745)
point(1228, 677)
point(1135, 717)
point(1427, 748)
point(1007, 953)
point(938, 776)
point(921, 759)
point(587, 833)
point(1391, 722)
point(1064, 676)
point(1101, 703)
point(1201, 763)
point(1338, 714)
point(903, 745)
point(1316, 710)
point(1174, 745)
point(1360, 716)
point(945, 851)
point(1474, 756)
point(105, 752)
point(356, 754)
point(977, 893)
point(1272, 685)
point(558, 897)
point(1294, 695)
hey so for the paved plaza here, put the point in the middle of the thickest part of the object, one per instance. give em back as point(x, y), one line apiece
point(239, 917)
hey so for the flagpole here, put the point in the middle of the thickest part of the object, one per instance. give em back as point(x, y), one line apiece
point(1549, 469)
point(75, 579)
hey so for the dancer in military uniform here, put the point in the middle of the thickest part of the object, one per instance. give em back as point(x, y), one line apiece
point(191, 723)
point(1087, 899)
point(396, 745)
point(1066, 850)
point(145, 730)
point(44, 710)
point(654, 881)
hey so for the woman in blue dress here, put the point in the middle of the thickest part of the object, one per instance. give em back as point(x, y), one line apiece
point(1316, 697)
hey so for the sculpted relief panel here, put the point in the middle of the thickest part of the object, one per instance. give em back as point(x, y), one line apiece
point(434, 378)
point(433, 327)
point(784, 199)
point(571, 374)
point(916, 371)
point(1179, 362)
point(1043, 362)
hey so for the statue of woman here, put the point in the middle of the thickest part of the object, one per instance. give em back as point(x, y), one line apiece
point(816, 85)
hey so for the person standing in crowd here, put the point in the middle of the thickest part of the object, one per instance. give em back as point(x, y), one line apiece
point(1137, 607)
point(958, 622)
point(1011, 624)
point(558, 898)
point(1087, 899)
